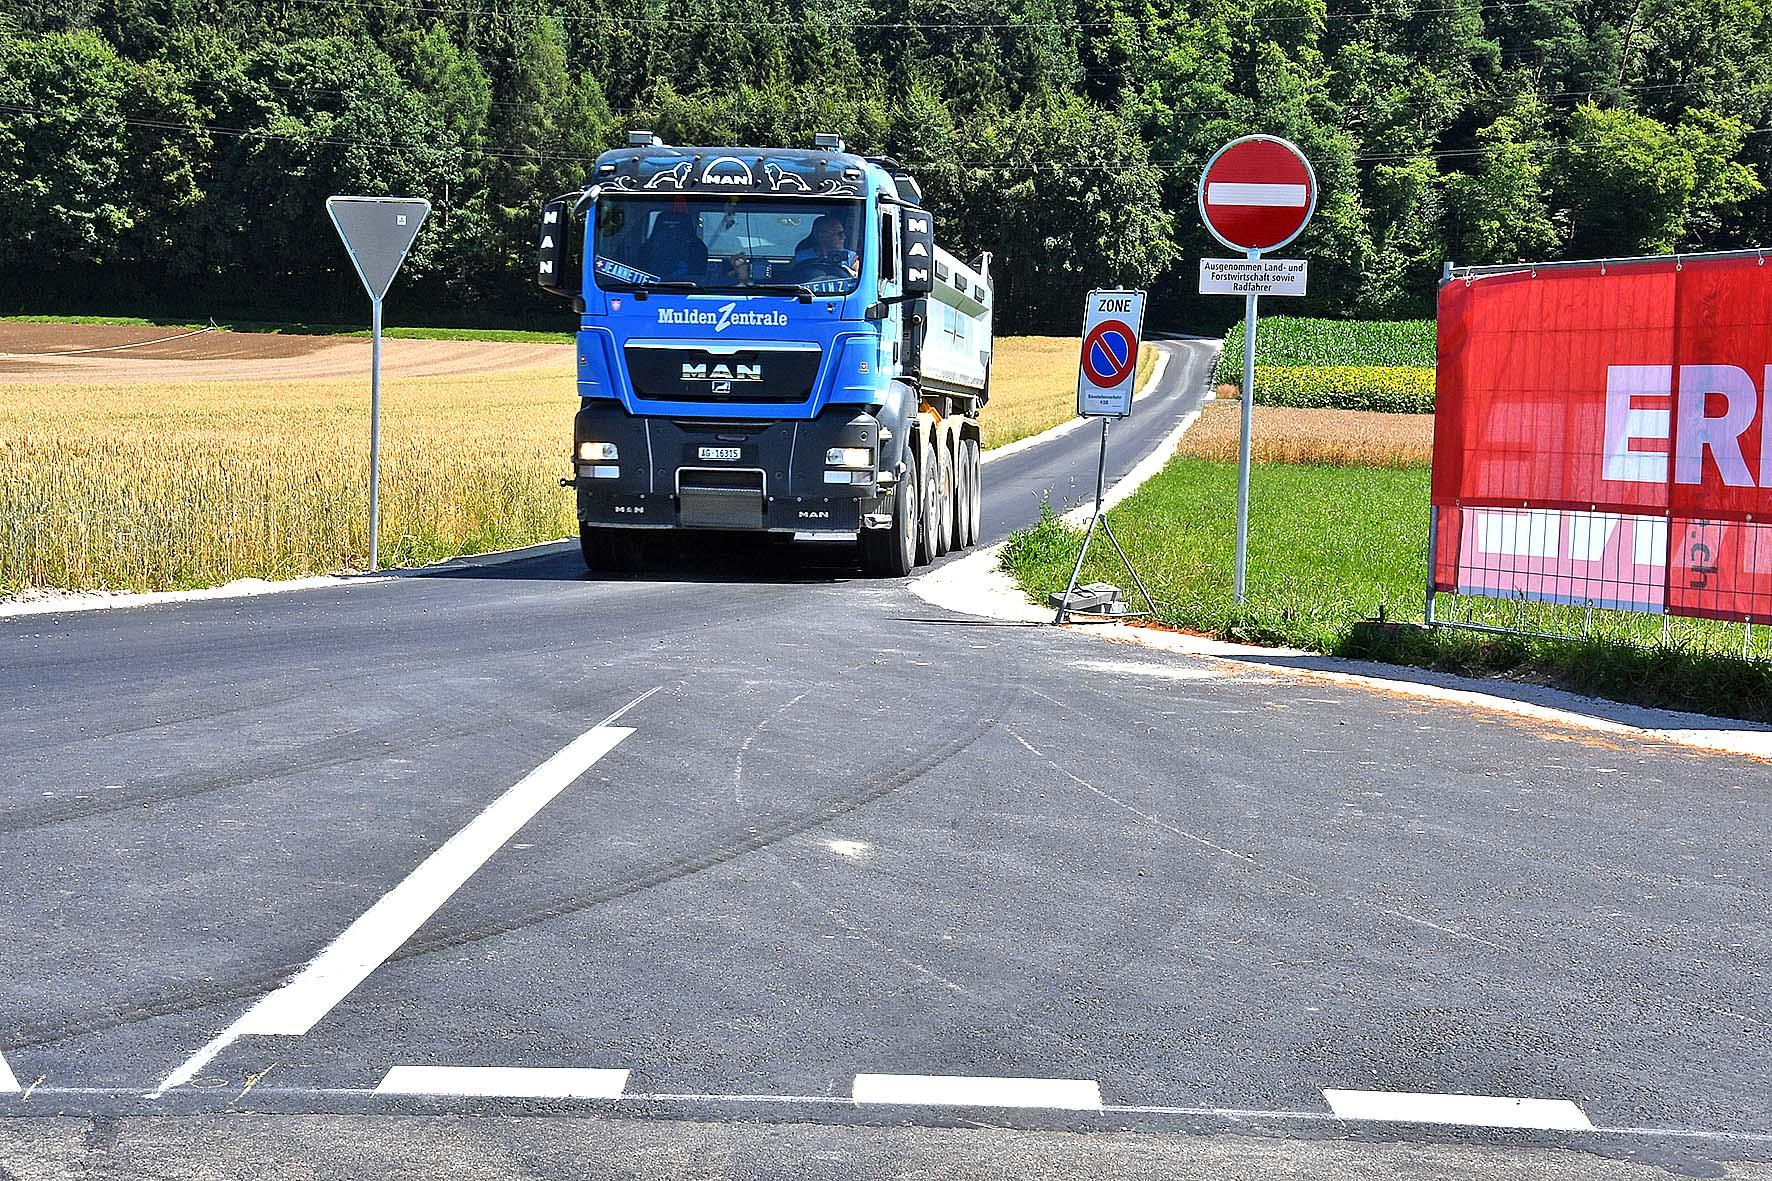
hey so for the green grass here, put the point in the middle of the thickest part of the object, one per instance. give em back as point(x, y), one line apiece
point(1292, 341)
point(1331, 548)
point(500, 335)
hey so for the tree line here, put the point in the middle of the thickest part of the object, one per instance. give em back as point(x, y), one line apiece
point(174, 155)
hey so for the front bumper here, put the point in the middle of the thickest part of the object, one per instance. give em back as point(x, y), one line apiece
point(693, 474)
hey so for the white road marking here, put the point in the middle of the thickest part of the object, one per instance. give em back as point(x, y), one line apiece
point(1477, 1111)
point(959, 1090)
point(8, 1084)
point(506, 1082)
point(1225, 192)
point(295, 1007)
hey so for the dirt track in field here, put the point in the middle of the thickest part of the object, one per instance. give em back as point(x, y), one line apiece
point(105, 354)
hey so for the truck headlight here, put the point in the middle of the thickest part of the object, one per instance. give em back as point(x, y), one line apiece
point(849, 457)
point(592, 452)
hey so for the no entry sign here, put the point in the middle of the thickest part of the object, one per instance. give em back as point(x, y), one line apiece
point(1257, 193)
point(1112, 321)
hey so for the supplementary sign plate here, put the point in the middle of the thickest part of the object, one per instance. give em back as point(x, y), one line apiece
point(1253, 276)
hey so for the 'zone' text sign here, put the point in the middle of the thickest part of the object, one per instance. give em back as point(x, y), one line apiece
point(1112, 324)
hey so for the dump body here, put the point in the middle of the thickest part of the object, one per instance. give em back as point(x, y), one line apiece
point(761, 336)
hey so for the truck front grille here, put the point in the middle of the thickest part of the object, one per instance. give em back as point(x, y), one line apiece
point(685, 373)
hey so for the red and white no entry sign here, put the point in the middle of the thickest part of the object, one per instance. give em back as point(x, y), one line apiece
point(1257, 193)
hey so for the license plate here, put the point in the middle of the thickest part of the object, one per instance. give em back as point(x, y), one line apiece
point(716, 453)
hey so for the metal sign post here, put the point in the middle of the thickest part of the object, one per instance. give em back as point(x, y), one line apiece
point(1112, 324)
point(377, 233)
point(1256, 194)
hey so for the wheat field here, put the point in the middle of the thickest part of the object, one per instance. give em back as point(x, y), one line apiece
point(134, 483)
point(1277, 434)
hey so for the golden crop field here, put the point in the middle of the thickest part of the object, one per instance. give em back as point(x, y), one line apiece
point(1288, 435)
point(1034, 385)
point(189, 472)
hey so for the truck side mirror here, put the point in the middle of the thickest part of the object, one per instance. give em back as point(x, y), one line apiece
point(918, 244)
point(553, 267)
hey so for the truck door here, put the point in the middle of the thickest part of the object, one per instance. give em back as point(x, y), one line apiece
point(891, 284)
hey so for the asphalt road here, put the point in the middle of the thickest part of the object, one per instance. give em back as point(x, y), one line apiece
point(747, 832)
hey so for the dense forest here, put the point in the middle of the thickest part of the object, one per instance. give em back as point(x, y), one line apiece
point(173, 155)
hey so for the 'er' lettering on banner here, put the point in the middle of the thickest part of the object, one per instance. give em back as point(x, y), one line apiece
point(1699, 431)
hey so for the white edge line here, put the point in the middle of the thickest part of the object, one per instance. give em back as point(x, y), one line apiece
point(1477, 1111)
point(377, 933)
point(507, 1082)
point(1226, 1113)
point(1071, 424)
point(8, 1083)
point(959, 1090)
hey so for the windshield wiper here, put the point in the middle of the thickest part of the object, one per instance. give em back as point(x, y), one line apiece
point(800, 290)
point(642, 290)
point(804, 292)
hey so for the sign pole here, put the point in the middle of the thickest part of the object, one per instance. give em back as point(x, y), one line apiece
point(1249, 316)
point(1256, 195)
point(374, 430)
point(377, 233)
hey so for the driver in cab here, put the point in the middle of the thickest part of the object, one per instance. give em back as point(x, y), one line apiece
point(826, 246)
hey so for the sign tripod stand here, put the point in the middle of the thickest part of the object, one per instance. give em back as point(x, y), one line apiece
point(1099, 516)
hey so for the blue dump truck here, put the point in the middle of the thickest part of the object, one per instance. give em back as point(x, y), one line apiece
point(770, 342)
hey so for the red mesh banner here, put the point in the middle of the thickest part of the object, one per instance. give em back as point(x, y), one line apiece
point(1601, 437)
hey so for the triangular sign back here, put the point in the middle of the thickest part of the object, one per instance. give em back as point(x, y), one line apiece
point(377, 232)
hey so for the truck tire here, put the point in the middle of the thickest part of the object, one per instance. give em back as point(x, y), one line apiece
point(892, 552)
point(962, 514)
point(975, 501)
point(929, 510)
point(944, 520)
point(609, 551)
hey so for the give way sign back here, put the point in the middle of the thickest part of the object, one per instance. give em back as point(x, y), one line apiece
point(1257, 193)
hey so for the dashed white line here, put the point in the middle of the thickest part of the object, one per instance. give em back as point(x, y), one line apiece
point(504, 1082)
point(958, 1090)
point(1476, 1111)
point(295, 1007)
point(8, 1084)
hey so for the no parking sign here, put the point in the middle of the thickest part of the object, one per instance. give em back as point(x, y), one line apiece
point(1112, 323)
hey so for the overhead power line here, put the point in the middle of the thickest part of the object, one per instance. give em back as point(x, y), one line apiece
point(1029, 24)
point(1051, 164)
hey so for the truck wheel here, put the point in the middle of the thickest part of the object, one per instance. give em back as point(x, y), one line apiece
point(609, 551)
point(975, 499)
point(892, 552)
point(944, 520)
point(929, 511)
point(962, 514)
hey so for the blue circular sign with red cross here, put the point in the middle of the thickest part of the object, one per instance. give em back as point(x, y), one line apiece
point(1109, 354)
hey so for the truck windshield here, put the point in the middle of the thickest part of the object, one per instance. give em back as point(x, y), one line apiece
point(718, 243)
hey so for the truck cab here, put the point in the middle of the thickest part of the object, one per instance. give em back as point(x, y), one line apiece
point(754, 350)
